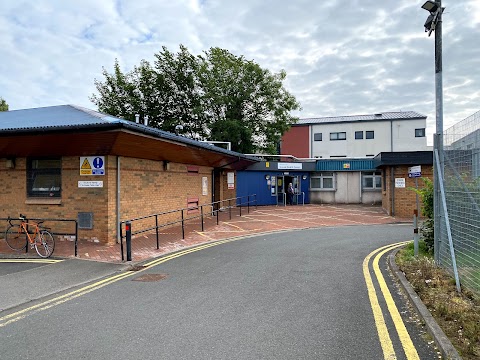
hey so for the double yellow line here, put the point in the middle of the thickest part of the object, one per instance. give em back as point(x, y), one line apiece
point(383, 334)
point(21, 314)
point(26, 261)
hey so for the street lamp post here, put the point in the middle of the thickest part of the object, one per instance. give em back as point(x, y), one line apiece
point(434, 23)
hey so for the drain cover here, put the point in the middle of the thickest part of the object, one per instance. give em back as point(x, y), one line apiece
point(150, 277)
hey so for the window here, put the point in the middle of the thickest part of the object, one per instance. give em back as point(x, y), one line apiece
point(338, 136)
point(322, 181)
point(369, 134)
point(372, 180)
point(358, 135)
point(44, 177)
point(317, 137)
point(420, 132)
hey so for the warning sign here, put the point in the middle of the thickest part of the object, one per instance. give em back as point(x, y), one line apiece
point(92, 165)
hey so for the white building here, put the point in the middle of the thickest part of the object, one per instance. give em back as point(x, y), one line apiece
point(359, 136)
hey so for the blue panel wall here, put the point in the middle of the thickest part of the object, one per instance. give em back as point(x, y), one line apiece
point(254, 182)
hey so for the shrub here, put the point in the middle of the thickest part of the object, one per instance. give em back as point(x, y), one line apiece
point(426, 194)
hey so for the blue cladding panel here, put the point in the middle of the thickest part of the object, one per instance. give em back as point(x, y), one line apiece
point(345, 165)
point(253, 182)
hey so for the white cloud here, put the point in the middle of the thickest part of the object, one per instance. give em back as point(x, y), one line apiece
point(341, 57)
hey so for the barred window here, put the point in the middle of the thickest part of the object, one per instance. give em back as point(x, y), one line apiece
point(44, 177)
point(324, 181)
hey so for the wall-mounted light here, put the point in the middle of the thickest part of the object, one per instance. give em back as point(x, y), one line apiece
point(166, 165)
point(10, 163)
point(267, 177)
point(304, 177)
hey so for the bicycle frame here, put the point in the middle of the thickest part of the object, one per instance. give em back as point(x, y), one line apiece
point(24, 226)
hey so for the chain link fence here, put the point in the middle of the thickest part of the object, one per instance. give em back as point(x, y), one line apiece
point(461, 157)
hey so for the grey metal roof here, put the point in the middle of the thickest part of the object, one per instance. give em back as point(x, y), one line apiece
point(52, 117)
point(72, 118)
point(399, 115)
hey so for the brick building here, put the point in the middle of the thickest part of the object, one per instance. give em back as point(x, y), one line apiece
point(398, 198)
point(71, 162)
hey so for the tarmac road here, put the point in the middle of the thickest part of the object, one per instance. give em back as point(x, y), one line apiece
point(289, 295)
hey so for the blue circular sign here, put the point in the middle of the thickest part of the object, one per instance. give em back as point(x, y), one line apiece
point(98, 163)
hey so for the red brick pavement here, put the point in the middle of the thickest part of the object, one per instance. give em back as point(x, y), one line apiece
point(263, 219)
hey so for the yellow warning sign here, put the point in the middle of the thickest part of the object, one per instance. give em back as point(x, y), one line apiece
point(86, 165)
point(85, 168)
point(92, 165)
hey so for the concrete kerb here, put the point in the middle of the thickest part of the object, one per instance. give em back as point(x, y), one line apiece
point(441, 340)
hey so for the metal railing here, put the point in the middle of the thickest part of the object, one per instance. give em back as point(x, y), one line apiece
point(50, 228)
point(152, 223)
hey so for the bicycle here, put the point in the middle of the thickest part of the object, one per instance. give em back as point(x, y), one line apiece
point(18, 236)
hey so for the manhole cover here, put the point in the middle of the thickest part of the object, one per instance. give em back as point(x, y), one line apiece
point(150, 277)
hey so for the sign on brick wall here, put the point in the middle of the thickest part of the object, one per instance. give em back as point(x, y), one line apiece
point(92, 165)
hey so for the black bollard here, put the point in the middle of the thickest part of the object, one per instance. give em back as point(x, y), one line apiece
point(128, 240)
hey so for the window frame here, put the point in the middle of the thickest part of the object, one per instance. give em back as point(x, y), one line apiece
point(359, 133)
point(34, 172)
point(335, 136)
point(369, 133)
point(321, 177)
point(422, 132)
point(374, 176)
point(315, 137)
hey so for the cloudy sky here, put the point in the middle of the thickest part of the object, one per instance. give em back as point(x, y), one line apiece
point(342, 57)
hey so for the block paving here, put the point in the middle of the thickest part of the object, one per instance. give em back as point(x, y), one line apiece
point(262, 219)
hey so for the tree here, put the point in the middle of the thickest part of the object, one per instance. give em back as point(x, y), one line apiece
point(215, 96)
point(3, 105)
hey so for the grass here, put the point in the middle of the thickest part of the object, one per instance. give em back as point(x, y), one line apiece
point(457, 314)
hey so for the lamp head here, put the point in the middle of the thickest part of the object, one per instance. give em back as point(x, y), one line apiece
point(430, 6)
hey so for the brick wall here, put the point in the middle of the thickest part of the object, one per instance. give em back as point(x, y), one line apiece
point(404, 198)
point(146, 187)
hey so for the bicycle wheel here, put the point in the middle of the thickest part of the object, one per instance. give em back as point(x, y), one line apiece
point(44, 244)
point(15, 238)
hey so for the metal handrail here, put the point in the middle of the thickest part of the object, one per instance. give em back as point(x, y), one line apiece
point(216, 208)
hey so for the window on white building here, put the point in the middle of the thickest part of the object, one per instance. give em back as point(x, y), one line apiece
point(317, 137)
point(420, 132)
point(338, 136)
point(323, 181)
point(372, 180)
point(369, 134)
point(358, 135)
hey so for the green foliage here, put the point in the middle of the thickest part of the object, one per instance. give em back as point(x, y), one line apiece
point(426, 195)
point(3, 105)
point(216, 96)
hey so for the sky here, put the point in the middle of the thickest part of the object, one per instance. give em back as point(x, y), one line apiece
point(342, 57)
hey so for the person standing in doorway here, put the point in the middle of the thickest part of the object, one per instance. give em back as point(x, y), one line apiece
point(290, 192)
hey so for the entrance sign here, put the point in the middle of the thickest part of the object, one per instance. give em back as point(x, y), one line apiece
point(290, 166)
point(92, 165)
point(415, 171)
point(399, 182)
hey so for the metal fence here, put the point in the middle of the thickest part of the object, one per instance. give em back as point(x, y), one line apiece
point(458, 239)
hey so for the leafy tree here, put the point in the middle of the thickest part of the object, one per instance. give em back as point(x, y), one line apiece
point(3, 105)
point(215, 96)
